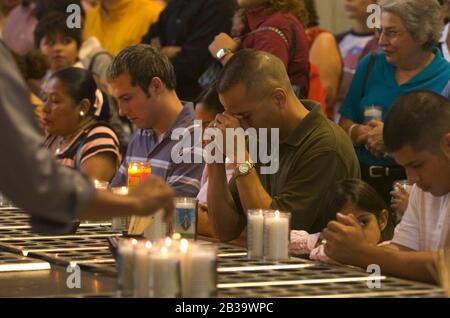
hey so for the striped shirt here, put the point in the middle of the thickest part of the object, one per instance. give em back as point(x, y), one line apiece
point(94, 140)
point(144, 146)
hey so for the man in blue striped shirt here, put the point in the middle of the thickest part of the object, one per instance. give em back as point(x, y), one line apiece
point(143, 80)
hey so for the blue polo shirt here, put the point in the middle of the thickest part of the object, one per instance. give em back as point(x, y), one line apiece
point(144, 146)
point(382, 90)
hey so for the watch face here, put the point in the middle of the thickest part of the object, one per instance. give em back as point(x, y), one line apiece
point(220, 53)
point(243, 168)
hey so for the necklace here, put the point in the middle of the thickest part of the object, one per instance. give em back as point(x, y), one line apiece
point(62, 142)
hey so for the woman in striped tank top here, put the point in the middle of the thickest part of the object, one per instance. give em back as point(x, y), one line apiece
point(74, 124)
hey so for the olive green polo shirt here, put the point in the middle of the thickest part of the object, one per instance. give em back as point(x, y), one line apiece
point(316, 155)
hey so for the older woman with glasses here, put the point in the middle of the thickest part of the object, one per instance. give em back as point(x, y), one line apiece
point(409, 60)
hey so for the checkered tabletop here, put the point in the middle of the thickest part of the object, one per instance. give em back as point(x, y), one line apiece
point(237, 275)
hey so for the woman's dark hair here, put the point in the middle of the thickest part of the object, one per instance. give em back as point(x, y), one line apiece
point(56, 23)
point(361, 195)
point(210, 98)
point(313, 17)
point(80, 84)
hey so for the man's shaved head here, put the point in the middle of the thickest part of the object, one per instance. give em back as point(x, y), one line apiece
point(260, 73)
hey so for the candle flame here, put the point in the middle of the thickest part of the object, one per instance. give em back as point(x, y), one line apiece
point(277, 214)
point(148, 245)
point(134, 241)
point(176, 236)
point(164, 250)
point(168, 242)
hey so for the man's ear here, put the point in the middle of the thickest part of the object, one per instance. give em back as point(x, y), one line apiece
point(445, 145)
point(383, 219)
point(280, 97)
point(156, 86)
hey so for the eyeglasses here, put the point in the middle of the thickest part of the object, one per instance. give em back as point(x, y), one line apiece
point(390, 34)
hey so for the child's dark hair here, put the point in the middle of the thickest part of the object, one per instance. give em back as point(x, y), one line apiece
point(361, 195)
point(80, 84)
point(56, 23)
point(210, 98)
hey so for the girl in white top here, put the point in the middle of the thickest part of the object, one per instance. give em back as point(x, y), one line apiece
point(351, 196)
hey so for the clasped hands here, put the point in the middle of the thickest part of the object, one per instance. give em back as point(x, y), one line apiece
point(227, 121)
point(371, 135)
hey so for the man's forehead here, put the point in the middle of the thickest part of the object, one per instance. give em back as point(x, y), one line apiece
point(235, 99)
point(407, 155)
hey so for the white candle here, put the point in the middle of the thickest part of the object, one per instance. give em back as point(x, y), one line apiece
point(125, 264)
point(185, 218)
point(166, 274)
point(198, 270)
point(255, 234)
point(373, 113)
point(200, 280)
point(276, 236)
point(142, 277)
point(157, 230)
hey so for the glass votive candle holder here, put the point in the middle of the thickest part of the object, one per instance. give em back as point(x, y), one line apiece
point(276, 235)
point(125, 267)
point(198, 270)
point(255, 234)
point(120, 223)
point(185, 217)
point(373, 113)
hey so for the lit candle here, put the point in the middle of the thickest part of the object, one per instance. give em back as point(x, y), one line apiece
point(276, 236)
point(142, 277)
point(125, 265)
point(101, 185)
point(185, 218)
point(137, 173)
point(200, 281)
point(166, 274)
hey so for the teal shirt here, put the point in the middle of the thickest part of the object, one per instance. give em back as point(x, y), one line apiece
point(382, 89)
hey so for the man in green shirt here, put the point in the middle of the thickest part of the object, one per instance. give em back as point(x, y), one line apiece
point(255, 90)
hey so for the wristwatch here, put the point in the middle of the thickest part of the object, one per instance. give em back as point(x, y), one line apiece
point(244, 168)
point(222, 53)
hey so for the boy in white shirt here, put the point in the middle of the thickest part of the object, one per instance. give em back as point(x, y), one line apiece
point(417, 133)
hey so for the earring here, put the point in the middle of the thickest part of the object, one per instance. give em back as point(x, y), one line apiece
point(81, 113)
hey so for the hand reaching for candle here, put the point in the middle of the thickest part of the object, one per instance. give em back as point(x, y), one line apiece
point(345, 239)
point(375, 143)
point(152, 195)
